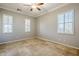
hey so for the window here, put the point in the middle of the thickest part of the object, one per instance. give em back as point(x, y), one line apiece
point(66, 22)
point(27, 25)
point(7, 23)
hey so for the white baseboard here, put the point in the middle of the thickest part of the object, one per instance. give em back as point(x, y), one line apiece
point(16, 40)
point(57, 42)
point(42, 39)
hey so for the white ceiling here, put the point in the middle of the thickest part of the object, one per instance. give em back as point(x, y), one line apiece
point(26, 9)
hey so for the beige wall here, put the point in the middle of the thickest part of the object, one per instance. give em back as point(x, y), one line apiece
point(47, 26)
point(18, 27)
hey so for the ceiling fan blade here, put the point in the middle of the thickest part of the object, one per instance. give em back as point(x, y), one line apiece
point(31, 9)
point(19, 9)
point(38, 8)
point(40, 3)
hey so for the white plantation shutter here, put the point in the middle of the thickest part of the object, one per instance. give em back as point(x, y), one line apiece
point(66, 22)
point(27, 25)
point(7, 23)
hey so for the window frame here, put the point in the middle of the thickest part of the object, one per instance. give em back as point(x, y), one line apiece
point(26, 25)
point(8, 24)
point(73, 23)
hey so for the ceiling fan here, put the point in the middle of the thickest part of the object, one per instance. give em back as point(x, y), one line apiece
point(33, 6)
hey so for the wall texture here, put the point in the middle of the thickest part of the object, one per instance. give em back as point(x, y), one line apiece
point(18, 27)
point(47, 26)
